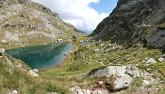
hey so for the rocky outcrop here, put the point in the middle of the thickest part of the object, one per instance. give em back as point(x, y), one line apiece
point(134, 21)
point(118, 73)
point(117, 78)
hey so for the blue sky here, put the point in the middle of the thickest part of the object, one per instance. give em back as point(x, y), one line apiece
point(104, 6)
point(85, 15)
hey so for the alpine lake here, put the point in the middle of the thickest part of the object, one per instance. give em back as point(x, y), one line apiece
point(41, 56)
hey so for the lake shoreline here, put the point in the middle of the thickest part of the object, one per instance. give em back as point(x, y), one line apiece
point(72, 50)
point(33, 56)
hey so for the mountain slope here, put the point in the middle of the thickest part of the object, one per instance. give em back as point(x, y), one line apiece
point(24, 23)
point(133, 21)
point(29, 23)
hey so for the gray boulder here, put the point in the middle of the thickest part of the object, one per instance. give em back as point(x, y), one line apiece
point(122, 80)
point(110, 70)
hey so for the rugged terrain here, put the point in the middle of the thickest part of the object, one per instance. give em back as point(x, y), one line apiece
point(24, 23)
point(134, 21)
point(27, 23)
point(116, 60)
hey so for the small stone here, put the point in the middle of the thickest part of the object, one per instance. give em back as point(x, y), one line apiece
point(151, 61)
point(97, 50)
point(35, 70)
point(19, 65)
point(109, 44)
point(14, 92)
point(59, 40)
point(102, 45)
point(162, 82)
point(4, 41)
point(2, 50)
point(161, 59)
point(33, 74)
point(146, 58)
point(100, 82)
point(146, 82)
point(143, 61)
point(79, 91)
point(52, 93)
point(86, 92)
point(66, 54)
point(113, 48)
point(97, 92)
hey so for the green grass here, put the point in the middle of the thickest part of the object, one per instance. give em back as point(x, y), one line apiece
point(14, 78)
point(157, 69)
point(161, 91)
point(85, 60)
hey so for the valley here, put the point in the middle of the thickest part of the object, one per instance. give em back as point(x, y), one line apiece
point(41, 54)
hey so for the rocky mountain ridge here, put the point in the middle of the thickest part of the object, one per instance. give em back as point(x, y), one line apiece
point(30, 23)
point(134, 21)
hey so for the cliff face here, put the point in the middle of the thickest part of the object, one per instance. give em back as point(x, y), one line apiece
point(134, 21)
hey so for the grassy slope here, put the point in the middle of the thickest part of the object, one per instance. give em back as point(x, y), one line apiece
point(85, 59)
point(11, 76)
point(82, 60)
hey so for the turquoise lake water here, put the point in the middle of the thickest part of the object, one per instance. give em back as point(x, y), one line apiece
point(42, 56)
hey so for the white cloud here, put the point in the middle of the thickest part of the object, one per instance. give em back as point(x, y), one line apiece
point(76, 12)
